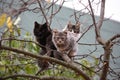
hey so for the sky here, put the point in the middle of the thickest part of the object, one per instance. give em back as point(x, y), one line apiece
point(111, 9)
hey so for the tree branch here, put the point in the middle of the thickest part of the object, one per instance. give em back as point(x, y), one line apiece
point(114, 37)
point(101, 19)
point(106, 59)
point(44, 14)
point(99, 24)
point(107, 52)
point(70, 65)
point(106, 44)
point(85, 32)
point(54, 13)
point(35, 77)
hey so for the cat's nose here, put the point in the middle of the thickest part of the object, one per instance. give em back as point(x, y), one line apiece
point(60, 41)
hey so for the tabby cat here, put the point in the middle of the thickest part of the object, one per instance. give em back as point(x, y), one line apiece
point(64, 43)
point(66, 40)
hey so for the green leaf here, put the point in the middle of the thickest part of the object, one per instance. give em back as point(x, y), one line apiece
point(30, 69)
point(16, 62)
point(21, 72)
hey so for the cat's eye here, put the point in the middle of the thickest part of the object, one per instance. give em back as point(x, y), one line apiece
point(56, 37)
point(76, 31)
point(63, 38)
point(70, 29)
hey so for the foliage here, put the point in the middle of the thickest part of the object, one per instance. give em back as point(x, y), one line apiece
point(12, 63)
point(2, 19)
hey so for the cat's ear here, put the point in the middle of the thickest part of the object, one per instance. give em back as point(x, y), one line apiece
point(69, 24)
point(65, 32)
point(54, 31)
point(45, 25)
point(36, 24)
point(78, 24)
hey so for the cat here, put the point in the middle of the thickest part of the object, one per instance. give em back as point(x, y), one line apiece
point(43, 36)
point(74, 30)
point(71, 35)
point(39, 30)
point(64, 43)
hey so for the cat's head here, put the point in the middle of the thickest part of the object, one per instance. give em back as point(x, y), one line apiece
point(69, 26)
point(60, 37)
point(75, 28)
point(40, 29)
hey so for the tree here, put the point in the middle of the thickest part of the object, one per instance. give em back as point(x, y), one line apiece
point(17, 55)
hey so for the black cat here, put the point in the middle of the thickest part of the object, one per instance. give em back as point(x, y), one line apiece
point(41, 33)
point(44, 37)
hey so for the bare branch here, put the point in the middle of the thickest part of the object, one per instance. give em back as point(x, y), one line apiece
point(88, 44)
point(101, 19)
point(106, 59)
point(114, 37)
point(54, 13)
point(44, 14)
point(107, 52)
point(106, 45)
point(42, 10)
point(35, 77)
point(99, 24)
point(85, 31)
point(70, 65)
point(22, 41)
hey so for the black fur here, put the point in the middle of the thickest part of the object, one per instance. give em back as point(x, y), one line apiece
point(41, 33)
point(44, 37)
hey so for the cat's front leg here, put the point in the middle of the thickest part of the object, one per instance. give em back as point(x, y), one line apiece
point(72, 54)
point(66, 57)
